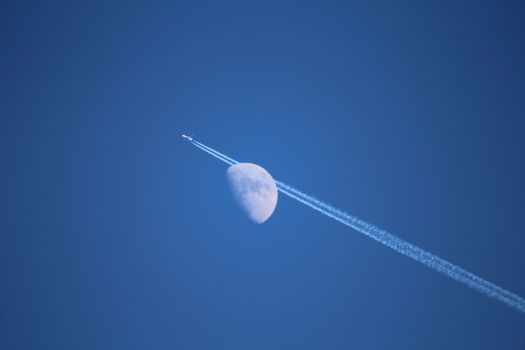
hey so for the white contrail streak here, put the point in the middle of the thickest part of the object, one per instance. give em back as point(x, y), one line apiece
point(225, 157)
point(430, 260)
point(213, 153)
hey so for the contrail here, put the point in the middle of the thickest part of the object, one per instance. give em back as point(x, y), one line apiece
point(428, 259)
point(213, 153)
point(228, 159)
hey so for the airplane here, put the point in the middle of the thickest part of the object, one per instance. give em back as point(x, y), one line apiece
point(189, 138)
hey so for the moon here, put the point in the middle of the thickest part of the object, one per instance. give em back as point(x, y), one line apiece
point(254, 190)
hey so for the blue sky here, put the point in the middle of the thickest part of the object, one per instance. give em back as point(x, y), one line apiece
point(117, 234)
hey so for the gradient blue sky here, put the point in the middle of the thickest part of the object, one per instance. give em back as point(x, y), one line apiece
point(117, 234)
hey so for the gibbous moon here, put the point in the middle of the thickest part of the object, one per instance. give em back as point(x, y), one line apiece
point(254, 190)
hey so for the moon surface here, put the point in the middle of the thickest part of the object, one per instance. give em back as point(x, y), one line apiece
point(254, 190)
